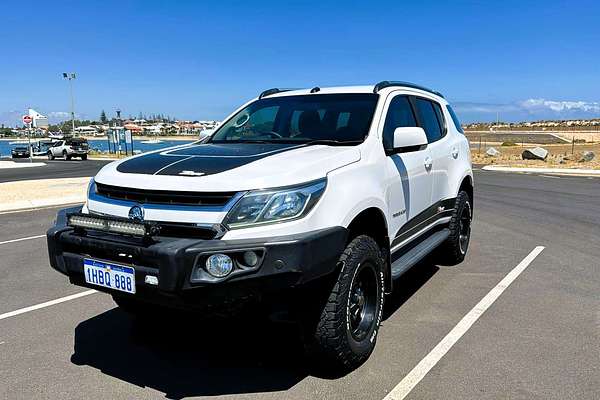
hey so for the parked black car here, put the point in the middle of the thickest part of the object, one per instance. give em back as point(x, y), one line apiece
point(20, 152)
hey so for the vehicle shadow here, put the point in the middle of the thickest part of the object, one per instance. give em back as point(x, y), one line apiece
point(407, 285)
point(184, 359)
point(214, 357)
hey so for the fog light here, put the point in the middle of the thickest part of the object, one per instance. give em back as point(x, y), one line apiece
point(250, 258)
point(219, 265)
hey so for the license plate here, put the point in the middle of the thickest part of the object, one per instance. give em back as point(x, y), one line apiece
point(108, 275)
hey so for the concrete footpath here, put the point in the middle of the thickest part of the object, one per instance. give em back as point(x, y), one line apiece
point(12, 165)
point(42, 193)
point(561, 171)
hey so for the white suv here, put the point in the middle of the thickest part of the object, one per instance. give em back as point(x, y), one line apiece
point(314, 199)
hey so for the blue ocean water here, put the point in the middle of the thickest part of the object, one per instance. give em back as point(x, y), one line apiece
point(102, 145)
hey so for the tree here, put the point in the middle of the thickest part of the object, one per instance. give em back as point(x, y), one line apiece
point(103, 118)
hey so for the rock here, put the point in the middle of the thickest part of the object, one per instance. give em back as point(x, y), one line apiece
point(587, 156)
point(492, 152)
point(537, 153)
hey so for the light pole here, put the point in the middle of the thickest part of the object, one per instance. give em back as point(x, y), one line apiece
point(70, 76)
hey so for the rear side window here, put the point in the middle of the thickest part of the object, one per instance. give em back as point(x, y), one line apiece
point(455, 119)
point(429, 120)
point(400, 114)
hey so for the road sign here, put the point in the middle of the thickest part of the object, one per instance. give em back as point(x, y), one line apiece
point(27, 119)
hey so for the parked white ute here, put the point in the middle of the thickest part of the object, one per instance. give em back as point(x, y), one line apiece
point(68, 148)
point(314, 199)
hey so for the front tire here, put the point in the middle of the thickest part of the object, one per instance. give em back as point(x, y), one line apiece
point(454, 249)
point(84, 157)
point(50, 156)
point(346, 331)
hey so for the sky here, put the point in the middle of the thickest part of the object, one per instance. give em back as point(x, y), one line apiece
point(518, 60)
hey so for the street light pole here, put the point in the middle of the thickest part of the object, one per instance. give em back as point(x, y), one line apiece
point(70, 76)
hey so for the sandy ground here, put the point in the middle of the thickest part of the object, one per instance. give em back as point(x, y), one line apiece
point(41, 193)
point(587, 136)
point(511, 156)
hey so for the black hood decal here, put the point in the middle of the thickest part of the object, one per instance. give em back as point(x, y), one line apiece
point(202, 159)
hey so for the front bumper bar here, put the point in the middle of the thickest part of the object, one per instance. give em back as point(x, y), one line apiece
point(288, 261)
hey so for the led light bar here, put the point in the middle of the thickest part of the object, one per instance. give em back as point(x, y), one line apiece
point(108, 225)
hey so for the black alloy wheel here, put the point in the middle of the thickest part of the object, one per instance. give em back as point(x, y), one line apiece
point(362, 302)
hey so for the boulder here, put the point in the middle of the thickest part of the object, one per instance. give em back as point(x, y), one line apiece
point(492, 152)
point(587, 156)
point(536, 153)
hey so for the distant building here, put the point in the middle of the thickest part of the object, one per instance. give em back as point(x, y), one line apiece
point(39, 120)
point(134, 128)
point(86, 130)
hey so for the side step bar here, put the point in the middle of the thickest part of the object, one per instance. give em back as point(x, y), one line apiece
point(417, 253)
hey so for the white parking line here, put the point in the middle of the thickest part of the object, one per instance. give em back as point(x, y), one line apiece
point(411, 380)
point(22, 239)
point(46, 304)
point(24, 210)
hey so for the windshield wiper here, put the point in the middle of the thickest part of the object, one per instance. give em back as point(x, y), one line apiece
point(332, 142)
point(243, 141)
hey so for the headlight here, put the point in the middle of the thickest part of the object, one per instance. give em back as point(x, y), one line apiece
point(91, 189)
point(277, 205)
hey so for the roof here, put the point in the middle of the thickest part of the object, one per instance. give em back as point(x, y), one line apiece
point(378, 88)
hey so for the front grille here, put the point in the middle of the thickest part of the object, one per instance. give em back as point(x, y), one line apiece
point(164, 197)
point(187, 231)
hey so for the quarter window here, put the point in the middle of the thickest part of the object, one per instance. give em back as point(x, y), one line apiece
point(429, 120)
point(455, 119)
point(399, 115)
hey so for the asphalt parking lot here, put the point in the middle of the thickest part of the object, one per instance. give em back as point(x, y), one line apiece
point(540, 339)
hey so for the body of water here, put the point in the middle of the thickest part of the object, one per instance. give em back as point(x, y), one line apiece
point(101, 145)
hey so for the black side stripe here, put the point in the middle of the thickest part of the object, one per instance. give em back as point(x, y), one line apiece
point(440, 209)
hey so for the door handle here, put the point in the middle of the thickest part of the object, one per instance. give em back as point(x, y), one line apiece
point(455, 152)
point(428, 163)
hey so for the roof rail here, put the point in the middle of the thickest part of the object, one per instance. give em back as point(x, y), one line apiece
point(385, 84)
point(269, 92)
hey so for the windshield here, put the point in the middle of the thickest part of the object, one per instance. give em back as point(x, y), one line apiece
point(332, 118)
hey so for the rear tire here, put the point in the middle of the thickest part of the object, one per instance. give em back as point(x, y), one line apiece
point(454, 249)
point(84, 157)
point(346, 331)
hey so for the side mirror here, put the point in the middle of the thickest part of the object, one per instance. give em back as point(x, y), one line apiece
point(206, 133)
point(409, 139)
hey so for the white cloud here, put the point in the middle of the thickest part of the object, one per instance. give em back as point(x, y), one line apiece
point(467, 107)
point(530, 109)
point(537, 105)
point(59, 114)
